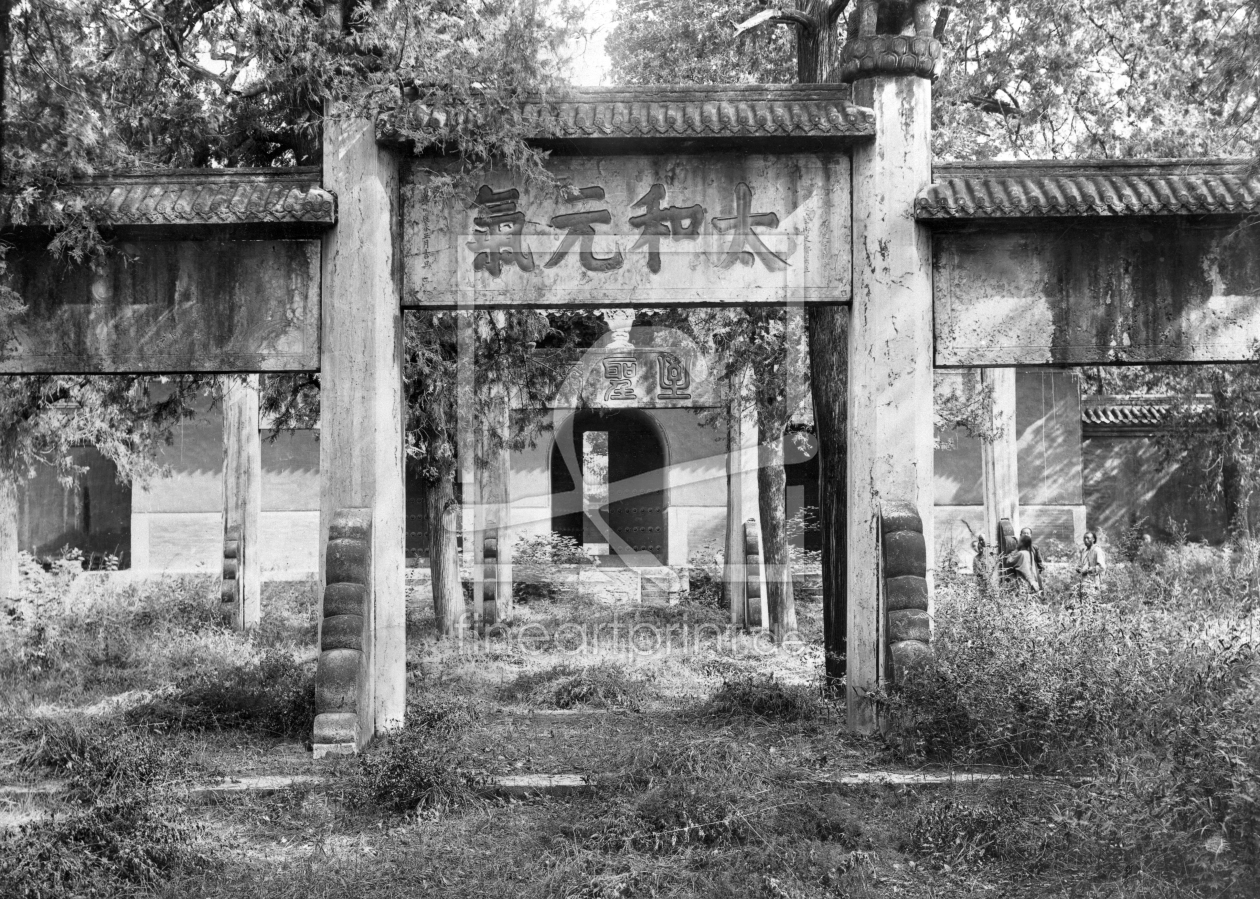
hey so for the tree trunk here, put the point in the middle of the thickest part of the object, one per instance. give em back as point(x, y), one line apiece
point(829, 366)
point(444, 520)
point(5, 6)
point(772, 503)
point(733, 577)
point(8, 536)
point(1234, 489)
point(817, 53)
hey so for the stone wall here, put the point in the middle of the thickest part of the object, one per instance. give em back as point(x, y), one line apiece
point(177, 521)
point(1051, 484)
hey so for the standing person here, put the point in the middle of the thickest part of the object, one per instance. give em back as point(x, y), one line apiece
point(1022, 565)
point(1091, 562)
point(1036, 553)
point(982, 564)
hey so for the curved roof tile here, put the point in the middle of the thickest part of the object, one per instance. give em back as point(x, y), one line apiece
point(1132, 187)
point(672, 111)
point(209, 197)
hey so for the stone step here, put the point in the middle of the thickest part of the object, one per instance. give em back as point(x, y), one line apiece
point(518, 786)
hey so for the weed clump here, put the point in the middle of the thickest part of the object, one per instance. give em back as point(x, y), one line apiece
point(272, 694)
point(417, 768)
point(955, 834)
point(667, 819)
point(124, 838)
point(109, 850)
point(567, 686)
point(766, 698)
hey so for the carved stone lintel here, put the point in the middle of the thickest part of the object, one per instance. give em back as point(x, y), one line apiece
point(891, 37)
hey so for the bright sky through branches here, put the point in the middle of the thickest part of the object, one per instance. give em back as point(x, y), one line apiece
point(590, 62)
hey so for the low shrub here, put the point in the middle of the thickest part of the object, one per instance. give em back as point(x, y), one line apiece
point(544, 568)
point(417, 767)
point(567, 686)
point(766, 698)
point(704, 588)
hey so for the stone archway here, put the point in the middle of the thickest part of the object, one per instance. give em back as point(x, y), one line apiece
point(633, 521)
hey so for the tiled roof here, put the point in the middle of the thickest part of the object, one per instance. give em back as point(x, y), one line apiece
point(1132, 187)
point(669, 111)
point(209, 197)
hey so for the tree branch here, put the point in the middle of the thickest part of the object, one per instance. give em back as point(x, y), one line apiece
point(778, 17)
point(834, 9)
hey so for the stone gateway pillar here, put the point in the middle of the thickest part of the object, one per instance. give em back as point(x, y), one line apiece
point(361, 447)
point(242, 502)
point(890, 57)
point(999, 456)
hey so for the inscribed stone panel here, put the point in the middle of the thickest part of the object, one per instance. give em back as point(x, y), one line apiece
point(1123, 291)
point(636, 230)
point(168, 306)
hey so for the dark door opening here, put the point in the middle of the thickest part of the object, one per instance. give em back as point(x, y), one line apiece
point(635, 509)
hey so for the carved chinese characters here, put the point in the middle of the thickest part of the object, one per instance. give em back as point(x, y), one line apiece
point(497, 241)
point(635, 230)
point(675, 222)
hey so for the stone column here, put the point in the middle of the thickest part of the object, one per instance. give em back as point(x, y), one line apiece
point(242, 494)
point(890, 335)
point(999, 456)
point(361, 400)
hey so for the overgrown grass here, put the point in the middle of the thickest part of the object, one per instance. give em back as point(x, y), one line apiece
point(1150, 691)
point(272, 693)
point(418, 766)
point(569, 686)
point(72, 643)
point(768, 699)
point(125, 832)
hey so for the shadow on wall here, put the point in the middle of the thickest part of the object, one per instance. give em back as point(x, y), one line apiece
point(93, 515)
point(1126, 479)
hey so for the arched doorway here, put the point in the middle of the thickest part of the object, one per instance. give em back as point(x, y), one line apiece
point(636, 498)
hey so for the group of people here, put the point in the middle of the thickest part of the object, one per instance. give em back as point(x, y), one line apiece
point(1022, 568)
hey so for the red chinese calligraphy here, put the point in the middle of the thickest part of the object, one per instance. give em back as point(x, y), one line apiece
point(499, 244)
point(746, 245)
point(669, 222)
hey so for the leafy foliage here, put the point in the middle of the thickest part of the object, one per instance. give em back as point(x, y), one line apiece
point(1212, 424)
point(664, 41)
point(1032, 78)
point(126, 417)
